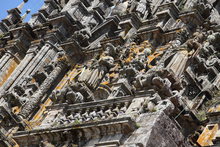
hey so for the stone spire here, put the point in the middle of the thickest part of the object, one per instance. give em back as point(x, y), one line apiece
point(25, 15)
point(20, 7)
point(14, 15)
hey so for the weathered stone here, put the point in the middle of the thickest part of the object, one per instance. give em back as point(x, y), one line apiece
point(110, 73)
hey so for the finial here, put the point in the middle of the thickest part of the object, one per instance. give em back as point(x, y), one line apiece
point(25, 15)
point(20, 7)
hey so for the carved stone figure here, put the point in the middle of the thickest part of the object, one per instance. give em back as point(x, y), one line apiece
point(143, 8)
point(82, 36)
point(93, 75)
point(84, 73)
point(188, 49)
point(163, 86)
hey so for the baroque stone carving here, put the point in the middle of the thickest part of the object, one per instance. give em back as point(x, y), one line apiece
point(111, 73)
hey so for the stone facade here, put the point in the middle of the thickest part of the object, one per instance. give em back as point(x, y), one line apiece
point(111, 73)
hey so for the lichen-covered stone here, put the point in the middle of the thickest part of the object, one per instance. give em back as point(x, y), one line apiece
point(122, 73)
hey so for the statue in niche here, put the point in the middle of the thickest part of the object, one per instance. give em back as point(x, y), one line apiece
point(135, 61)
point(92, 75)
point(88, 80)
point(178, 63)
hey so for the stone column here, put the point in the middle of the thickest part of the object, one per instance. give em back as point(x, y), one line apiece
point(35, 64)
point(7, 69)
point(16, 73)
point(30, 105)
point(4, 59)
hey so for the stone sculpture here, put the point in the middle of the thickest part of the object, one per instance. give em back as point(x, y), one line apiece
point(111, 73)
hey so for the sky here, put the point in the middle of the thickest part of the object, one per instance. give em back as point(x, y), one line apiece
point(5, 5)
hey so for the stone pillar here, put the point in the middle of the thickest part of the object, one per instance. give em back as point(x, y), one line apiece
point(16, 73)
point(7, 68)
point(35, 64)
point(20, 68)
point(30, 105)
point(30, 63)
point(4, 60)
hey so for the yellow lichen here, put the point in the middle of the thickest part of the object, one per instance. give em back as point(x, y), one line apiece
point(207, 136)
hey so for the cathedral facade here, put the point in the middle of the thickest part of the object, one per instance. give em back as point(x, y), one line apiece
point(111, 73)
